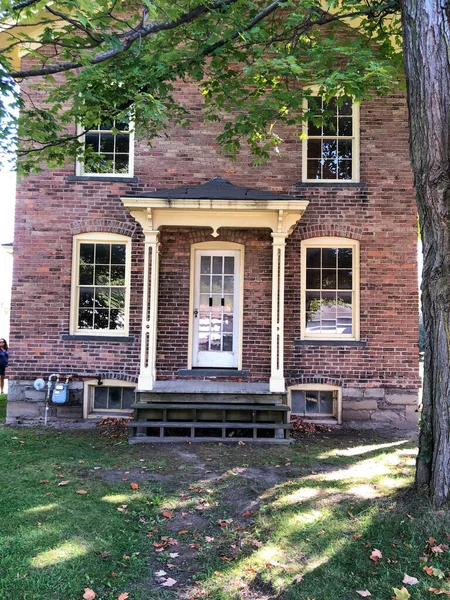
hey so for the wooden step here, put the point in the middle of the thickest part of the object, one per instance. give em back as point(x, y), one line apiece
point(209, 424)
point(209, 398)
point(206, 405)
point(206, 440)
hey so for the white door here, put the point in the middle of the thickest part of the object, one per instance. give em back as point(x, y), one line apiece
point(216, 309)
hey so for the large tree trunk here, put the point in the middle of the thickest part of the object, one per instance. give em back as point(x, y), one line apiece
point(426, 46)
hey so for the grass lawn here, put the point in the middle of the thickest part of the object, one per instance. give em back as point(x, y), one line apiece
point(2, 407)
point(80, 510)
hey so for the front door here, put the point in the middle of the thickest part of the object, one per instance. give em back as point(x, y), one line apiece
point(216, 309)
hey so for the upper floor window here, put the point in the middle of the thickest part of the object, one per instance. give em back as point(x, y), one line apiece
point(109, 150)
point(330, 289)
point(331, 140)
point(100, 284)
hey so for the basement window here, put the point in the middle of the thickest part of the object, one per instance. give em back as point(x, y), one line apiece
point(112, 397)
point(316, 402)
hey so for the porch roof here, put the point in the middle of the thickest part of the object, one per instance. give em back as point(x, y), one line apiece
point(214, 189)
point(215, 204)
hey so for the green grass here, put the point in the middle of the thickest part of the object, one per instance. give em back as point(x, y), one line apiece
point(2, 407)
point(240, 521)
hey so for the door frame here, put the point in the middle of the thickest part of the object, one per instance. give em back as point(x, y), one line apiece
point(216, 246)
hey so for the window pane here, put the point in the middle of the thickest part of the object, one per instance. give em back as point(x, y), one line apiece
point(344, 279)
point(313, 279)
point(123, 143)
point(329, 257)
point(217, 283)
point(205, 264)
point(345, 169)
point(92, 140)
point(86, 298)
point(329, 169)
point(102, 275)
point(115, 398)
point(121, 163)
point(329, 279)
point(102, 297)
point(314, 148)
point(217, 264)
point(86, 276)
point(346, 107)
point(228, 284)
point(298, 402)
point(117, 275)
point(101, 397)
point(118, 254)
point(313, 258)
point(215, 342)
point(102, 254)
point(106, 143)
point(204, 302)
point(312, 402)
point(345, 148)
point(314, 169)
point(127, 397)
point(345, 258)
point(345, 126)
point(229, 265)
point(117, 319)
point(205, 283)
point(228, 304)
point(326, 403)
point(329, 148)
point(117, 299)
point(227, 343)
point(87, 254)
point(228, 323)
point(85, 319)
point(101, 318)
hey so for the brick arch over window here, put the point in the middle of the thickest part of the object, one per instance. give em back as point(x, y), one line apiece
point(314, 379)
point(102, 225)
point(331, 230)
point(117, 376)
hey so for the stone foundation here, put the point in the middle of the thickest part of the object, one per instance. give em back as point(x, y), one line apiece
point(379, 407)
point(27, 405)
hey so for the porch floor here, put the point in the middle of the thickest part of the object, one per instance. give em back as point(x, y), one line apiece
point(192, 386)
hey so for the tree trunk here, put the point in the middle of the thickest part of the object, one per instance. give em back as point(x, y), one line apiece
point(426, 44)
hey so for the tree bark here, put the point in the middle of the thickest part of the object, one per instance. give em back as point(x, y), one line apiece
point(426, 47)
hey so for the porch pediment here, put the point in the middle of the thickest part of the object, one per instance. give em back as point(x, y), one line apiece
point(215, 204)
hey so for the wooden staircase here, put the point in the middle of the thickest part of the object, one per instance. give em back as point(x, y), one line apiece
point(208, 411)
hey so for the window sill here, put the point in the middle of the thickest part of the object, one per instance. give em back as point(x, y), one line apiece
point(110, 178)
point(358, 343)
point(97, 338)
point(351, 184)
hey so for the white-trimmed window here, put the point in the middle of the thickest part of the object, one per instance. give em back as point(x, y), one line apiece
point(330, 289)
point(109, 150)
point(112, 396)
point(331, 140)
point(101, 284)
point(316, 401)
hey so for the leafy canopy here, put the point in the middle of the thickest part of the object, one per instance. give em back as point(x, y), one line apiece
point(87, 61)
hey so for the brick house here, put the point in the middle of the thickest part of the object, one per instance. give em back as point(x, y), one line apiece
point(224, 294)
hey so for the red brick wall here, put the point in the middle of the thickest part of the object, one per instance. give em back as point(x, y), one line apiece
point(380, 213)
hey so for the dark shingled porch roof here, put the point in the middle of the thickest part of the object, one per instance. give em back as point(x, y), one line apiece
point(215, 189)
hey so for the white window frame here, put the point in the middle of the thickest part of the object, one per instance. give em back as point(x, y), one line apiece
point(79, 165)
point(332, 242)
point(88, 398)
point(98, 238)
point(318, 387)
point(355, 146)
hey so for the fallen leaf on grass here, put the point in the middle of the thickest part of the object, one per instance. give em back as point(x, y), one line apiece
point(438, 591)
point(429, 570)
point(183, 532)
point(256, 543)
point(275, 563)
point(298, 578)
point(134, 486)
point(160, 573)
point(81, 492)
point(410, 517)
point(44, 481)
point(123, 596)
point(410, 580)
point(168, 514)
point(402, 594)
point(225, 522)
point(438, 573)
point(376, 554)
point(174, 554)
point(208, 539)
point(364, 593)
point(63, 483)
point(89, 594)
point(169, 582)
point(246, 513)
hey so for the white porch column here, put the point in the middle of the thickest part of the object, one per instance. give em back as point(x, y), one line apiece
point(147, 375)
point(277, 383)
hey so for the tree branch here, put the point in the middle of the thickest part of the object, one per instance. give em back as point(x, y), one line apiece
point(127, 42)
